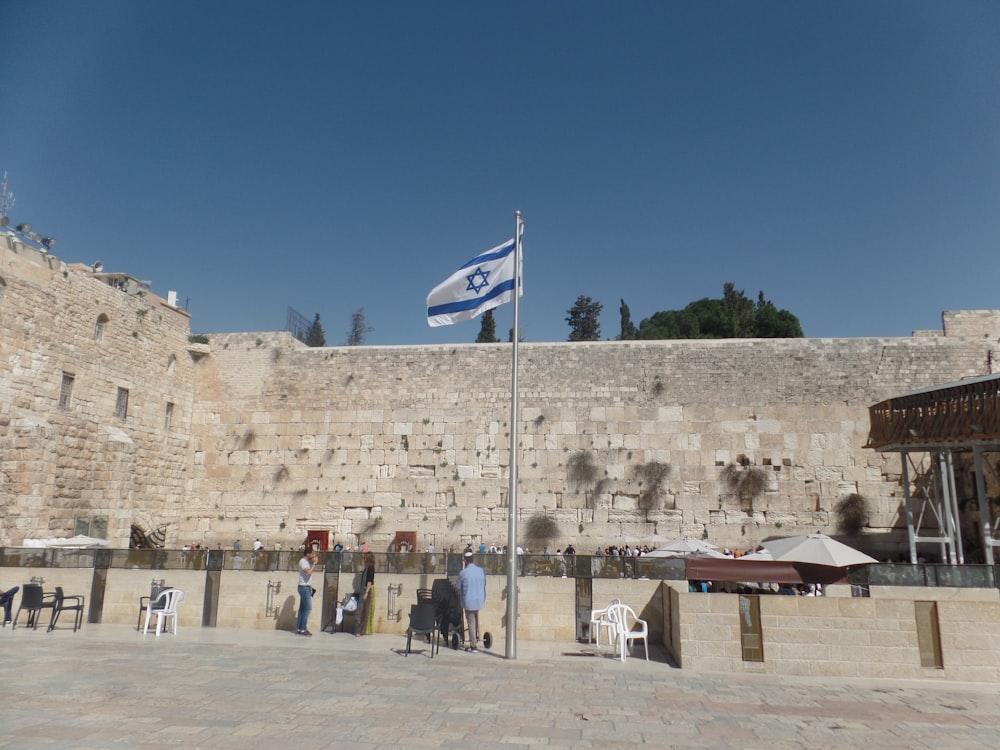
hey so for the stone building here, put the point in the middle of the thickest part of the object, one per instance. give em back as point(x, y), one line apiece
point(112, 422)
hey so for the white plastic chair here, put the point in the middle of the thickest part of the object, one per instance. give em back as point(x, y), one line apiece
point(629, 628)
point(600, 620)
point(167, 614)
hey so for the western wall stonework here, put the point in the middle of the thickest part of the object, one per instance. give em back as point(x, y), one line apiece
point(368, 441)
point(269, 439)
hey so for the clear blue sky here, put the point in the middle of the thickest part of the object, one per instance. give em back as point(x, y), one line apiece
point(843, 157)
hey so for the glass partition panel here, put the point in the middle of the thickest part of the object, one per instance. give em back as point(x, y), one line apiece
point(896, 574)
point(961, 576)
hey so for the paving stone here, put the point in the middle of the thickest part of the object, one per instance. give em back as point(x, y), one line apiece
point(217, 688)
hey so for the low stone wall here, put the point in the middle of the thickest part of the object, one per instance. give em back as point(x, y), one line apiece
point(547, 606)
point(834, 635)
point(840, 635)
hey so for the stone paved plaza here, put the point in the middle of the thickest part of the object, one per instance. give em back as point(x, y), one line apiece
point(108, 686)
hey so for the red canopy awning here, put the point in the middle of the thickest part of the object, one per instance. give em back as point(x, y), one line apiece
point(762, 571)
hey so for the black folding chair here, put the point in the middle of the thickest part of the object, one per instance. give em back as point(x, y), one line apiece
point(423, 621)
point(65, 603)
point(34, 600)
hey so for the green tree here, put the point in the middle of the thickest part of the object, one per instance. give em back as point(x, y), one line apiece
point(359, 329)
point(740, 312)
point(315, 335)
point(773, 323)
point(628, 329)
point(583, 322)
point(732, 316)
point(488, 329)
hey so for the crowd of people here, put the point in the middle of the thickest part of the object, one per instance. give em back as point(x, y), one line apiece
point(788, 589)
point(623, 551)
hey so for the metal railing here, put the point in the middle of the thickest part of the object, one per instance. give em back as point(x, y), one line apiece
point(448, 564)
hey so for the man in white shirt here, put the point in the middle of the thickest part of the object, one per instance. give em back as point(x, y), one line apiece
point(306, 565)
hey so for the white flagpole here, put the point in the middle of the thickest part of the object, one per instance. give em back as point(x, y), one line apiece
point(512, 556)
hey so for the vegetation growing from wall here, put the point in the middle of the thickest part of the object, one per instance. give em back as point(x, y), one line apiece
point(540, 529)
point(746, 483)
point(581, 468)
point(652, 477)
point(851, 513)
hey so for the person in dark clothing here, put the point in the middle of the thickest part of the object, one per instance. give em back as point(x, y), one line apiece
point(7, 602)
point(364, 618)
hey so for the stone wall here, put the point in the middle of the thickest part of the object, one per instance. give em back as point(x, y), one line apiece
point(618, 441)
point(61, 461)
point(975, 323)
point(840, 636)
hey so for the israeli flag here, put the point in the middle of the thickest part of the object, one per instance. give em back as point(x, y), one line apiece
point(485, 282)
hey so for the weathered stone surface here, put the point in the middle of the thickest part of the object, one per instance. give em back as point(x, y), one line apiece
point(268, 438)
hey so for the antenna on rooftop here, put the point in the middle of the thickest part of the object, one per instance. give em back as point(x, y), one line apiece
point(6, 197)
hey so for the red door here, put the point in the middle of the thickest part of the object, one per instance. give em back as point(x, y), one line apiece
point(318, 539)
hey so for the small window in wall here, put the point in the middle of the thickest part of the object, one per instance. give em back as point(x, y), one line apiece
point(95, 526)
point(929, 635)
point(168, 417)
point(66, 390)
point(3, 289)
point(171, 365)
point(121, 403)
point(99, 527)
point(102, 322)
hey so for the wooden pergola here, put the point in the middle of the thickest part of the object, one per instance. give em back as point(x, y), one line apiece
point(939, 422)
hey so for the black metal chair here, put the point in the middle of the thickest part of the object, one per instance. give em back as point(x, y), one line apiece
point(423, 621)
point(449, 611)
point(65, 603)
point(34, 600)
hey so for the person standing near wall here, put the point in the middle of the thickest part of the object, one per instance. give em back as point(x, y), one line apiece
point(472, 591)
point(7, 602)
point(306, 565)
point(364, 618)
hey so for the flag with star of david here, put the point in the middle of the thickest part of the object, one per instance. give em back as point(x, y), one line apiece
point(485, 282)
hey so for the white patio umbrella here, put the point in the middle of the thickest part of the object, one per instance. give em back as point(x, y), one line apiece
point(818, 549)
point(759, 555)
point(78, 541)
point(682, 548)
point(708, 553)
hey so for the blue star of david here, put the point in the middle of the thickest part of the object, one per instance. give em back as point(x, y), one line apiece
point(477, 286)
